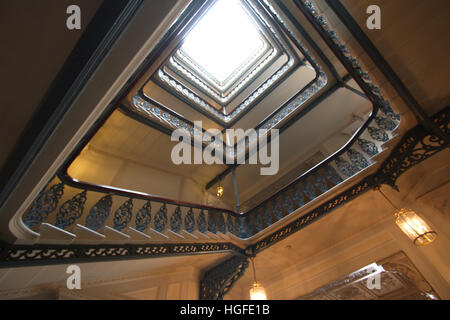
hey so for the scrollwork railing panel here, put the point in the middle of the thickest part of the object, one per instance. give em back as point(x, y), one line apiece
point(99, 213)
point(217, 281)
point(45, 204)
point(144, 217)
point(71, 210)
point(123, 215)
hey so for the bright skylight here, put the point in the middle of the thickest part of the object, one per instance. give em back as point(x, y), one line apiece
point(223, 40)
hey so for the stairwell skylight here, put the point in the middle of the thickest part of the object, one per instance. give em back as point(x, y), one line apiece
point(231, 56)
point(223, 41)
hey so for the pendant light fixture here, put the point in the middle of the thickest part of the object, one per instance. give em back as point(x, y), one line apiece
point(412, 225)
point(219, 189)
point(257, 291)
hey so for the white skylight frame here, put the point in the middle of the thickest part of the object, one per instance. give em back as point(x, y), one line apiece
point(193, 92)
point(231, 46)
point(180, 59)
point(283, 112)
point(222, 95)
point(182, 74)
point(224, 98)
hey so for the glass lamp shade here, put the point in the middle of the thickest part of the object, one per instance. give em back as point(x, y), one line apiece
point(219, 192)
point(257, 292)
point(414, 227)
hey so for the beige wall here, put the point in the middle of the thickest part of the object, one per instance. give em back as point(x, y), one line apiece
point(94, 166)
point(169, 285)
point(354, 241)
point(160, 286)
point(154, 278)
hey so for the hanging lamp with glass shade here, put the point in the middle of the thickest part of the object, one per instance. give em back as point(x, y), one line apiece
point(412, 225)
point(219, 190)
point(257, 291)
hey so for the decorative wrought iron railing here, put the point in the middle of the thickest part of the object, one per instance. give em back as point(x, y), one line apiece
point(71, 205)
point(417, 145)
point(83, 208)
point(61, 205)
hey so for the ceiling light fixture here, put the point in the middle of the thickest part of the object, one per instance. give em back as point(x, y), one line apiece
point(219, 190)
point(412, 225)
point(257, 291)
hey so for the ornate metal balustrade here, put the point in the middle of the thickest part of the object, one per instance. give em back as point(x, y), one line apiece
point(63, 203)
point(123, 211)
point(66, 210)
point(217, 281)
point(64, 206)
point(417, 145)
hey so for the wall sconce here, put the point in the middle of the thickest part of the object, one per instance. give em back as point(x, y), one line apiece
point(257, 291)
point(412, 225)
